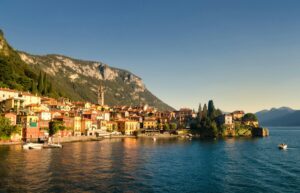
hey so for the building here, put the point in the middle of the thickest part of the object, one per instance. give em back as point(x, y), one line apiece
point(12, 117)
point(102, 125)
point(128, 127)
point(86, 124)
point(13, 104)
point(101, 95)
point(183, 116)
point(37, 107)
point(30, 127)
point(237, 115)
point(44, 115)
point(111, 126)
point(28, 98)
point(150, 123)
point(225, 119)
point(77, 126)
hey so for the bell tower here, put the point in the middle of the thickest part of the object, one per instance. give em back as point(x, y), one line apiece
point(101, 95)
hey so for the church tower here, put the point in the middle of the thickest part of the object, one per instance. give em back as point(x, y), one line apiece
point(101, 95)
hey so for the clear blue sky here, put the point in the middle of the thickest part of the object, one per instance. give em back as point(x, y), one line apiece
point(243, 54)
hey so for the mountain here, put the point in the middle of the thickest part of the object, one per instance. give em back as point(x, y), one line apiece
point(73, 78)
point(283, 116)
point(14, 72)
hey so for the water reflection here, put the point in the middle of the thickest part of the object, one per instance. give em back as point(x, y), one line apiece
point(144, 165)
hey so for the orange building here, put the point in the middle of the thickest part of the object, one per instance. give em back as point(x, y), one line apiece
point(30, 127)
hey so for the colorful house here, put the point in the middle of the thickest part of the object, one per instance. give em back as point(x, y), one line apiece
point(128, 127)
point(150, 123)
point(77, 126)
point(30, 127)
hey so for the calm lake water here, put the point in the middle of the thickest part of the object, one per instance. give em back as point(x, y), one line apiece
point(167, 165)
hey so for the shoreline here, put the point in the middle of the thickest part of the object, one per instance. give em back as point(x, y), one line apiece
point(145, 136)
point(93, 138)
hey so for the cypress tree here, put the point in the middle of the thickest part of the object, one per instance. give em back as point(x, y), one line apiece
point(40, 83)
point(204, 111)
point(50, 89)
point(211, 110)
point(33, 89)
point(45, 86)
point(200, 112)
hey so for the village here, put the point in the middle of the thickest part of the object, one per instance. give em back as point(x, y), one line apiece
point(35, 114)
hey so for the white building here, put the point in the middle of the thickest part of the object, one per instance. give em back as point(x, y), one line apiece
point(28, 98)
point(45, 116)
point(226, 119)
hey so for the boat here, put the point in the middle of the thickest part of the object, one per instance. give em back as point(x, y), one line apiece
point(33, 146)
point(154, 138)
point(52, 145)
point(282, 146)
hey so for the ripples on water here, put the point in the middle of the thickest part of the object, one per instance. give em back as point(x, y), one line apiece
point(167, 165)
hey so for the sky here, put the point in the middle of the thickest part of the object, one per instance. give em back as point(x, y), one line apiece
point(243, 54)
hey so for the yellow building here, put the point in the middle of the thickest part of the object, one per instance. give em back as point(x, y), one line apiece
point(102, 125)
point(37, 107)
point(150, 124)
point(128, 127)
point(111, 126)
point(86, 124)
point(87, 105)
point(77, 126)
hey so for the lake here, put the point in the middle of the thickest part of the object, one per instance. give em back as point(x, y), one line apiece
point(164, 165)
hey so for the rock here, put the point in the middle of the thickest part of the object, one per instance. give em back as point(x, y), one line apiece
point(260, 132)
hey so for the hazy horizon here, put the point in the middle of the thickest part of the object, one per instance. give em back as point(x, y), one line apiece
point(243, 55)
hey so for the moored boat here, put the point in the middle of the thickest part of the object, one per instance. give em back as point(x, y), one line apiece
point(33, 146)
point(52, 145)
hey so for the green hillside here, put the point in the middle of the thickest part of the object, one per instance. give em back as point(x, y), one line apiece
point(57, 75)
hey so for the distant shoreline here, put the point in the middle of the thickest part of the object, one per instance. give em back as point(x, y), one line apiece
point(73, 139)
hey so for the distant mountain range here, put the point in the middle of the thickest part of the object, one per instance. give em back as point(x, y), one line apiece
point(72, 78)
point(283, 116)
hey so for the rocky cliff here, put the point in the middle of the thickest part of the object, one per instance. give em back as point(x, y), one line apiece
point(79, 79)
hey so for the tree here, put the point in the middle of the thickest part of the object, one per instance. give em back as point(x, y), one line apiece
point(50, 89)
point(55, 126)
point(173, 126)
point(6, 129)
point(45, 85)
point(166, 127)
point(199, 112)
point(211, 110)
point(214, 129)
point(204, 111)
point(40, 83)
point(249, 117)
point(33, 89)
point(218, 112)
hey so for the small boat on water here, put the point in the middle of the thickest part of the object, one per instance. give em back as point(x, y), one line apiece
point(282, 146)
point(33, 146)
point(154, 138)
point(52, 145)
